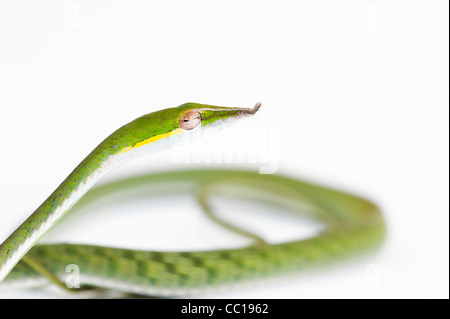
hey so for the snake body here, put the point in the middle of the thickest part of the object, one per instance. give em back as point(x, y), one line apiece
point(352, 224)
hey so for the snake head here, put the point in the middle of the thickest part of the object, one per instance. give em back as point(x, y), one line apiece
point(194, 115)
point(164, 128)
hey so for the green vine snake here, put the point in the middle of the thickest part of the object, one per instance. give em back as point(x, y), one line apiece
point(353, 224)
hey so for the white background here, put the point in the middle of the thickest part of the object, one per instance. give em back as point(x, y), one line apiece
point(355, 93)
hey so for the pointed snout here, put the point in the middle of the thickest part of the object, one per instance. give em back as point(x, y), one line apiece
point(252, 110)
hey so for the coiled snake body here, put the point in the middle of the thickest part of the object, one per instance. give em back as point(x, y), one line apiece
point(352, 224)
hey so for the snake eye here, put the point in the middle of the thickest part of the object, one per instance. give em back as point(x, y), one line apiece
point(190, 120)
